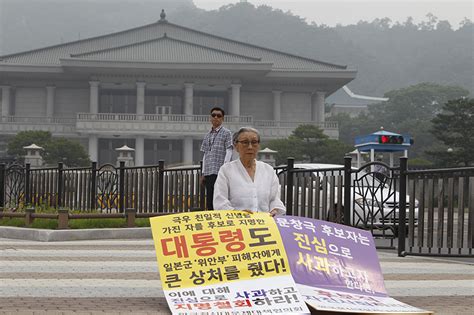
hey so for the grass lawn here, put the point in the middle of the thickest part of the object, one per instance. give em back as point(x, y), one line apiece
point(74, 224)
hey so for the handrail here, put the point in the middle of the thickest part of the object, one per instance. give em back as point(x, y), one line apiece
point(293, 124)
point(159, 117)
point(440, 170)
point(201, 118)
point(38, 120)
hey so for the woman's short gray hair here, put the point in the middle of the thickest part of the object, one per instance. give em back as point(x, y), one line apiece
point(236, 135)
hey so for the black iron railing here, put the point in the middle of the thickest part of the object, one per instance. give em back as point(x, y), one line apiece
point(108, 189)
point(419, 212)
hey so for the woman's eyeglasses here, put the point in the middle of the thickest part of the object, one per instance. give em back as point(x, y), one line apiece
point(214, 115)
point(246, 143)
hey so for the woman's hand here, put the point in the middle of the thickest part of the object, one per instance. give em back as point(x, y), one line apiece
point(273, 212)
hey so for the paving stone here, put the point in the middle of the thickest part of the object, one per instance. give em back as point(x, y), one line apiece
point(121, 277)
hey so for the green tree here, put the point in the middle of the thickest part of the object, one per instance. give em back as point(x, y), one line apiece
point(348, 127)
point(70, 152)
point(285, 149)
point(417, 103)
point(309, 143)
point(56, 150)
point(408, 111)
point(333, 151)
point(454, 127)
point(25, 138)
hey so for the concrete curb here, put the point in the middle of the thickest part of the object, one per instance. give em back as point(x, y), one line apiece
point(73, 235)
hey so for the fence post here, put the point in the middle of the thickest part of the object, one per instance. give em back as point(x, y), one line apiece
point(63, 219)
point(402, 207)
point(122, 186)
point(28, 216)
point(93, 185)
point(202, 191)
point(161, 184)
point(60, 184)
point(27, 183)
point(289, 185)
point(347, 190)
point(2, 186)
point(130, 215)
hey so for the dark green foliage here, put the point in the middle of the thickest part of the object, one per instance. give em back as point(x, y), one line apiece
point(70, 152)
point(37, 223)
point(454, 127)
point(74, 224)
point(309, 143)
point(409, 110)
point(285, 149)
point(25, 138)
point(97, 223)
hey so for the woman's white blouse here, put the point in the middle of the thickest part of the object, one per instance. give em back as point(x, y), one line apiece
point(235, 190)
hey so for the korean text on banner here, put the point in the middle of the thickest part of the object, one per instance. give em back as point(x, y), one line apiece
point(336, 267)
point(224, 261)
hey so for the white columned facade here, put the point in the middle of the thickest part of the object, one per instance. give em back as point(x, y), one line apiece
point(139, 151)
point(6, 100)
point(50, 91)
point(317, 107)
point(188, 98)
point(188, 151)
point(140, 98)
point(235, 97)
point(94, 97)
point(93, 148)
point(276, 105)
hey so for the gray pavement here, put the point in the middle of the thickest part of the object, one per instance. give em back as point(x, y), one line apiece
point(121, 277)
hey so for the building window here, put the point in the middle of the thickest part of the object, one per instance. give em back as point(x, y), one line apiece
point(203, 102)
point(118, 101)
point(168, 102)
point(163, 110)
point(163, 149)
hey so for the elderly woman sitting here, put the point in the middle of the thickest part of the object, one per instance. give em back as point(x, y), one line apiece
point(248, 184)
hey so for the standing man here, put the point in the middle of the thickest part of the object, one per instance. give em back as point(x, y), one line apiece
point(217, 148)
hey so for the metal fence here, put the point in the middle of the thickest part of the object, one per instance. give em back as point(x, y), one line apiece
point(422, 212)
point(419, 212)
point(441, 221)
point(107, 189)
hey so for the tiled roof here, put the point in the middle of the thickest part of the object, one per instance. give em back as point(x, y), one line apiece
point(146, 35)
point(166, 49)
point(345, 97)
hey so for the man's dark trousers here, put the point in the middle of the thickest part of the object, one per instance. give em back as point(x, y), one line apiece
point(210, 181)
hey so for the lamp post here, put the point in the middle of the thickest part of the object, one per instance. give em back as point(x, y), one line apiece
point(449, 156)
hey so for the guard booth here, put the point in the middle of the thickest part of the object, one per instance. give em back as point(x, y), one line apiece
point(376, 185)
point(382, 142)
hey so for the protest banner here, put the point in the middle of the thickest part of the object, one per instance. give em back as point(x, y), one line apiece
point(224, 262)
point(336, 267)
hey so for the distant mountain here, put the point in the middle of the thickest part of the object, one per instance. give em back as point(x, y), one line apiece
point(386, 56)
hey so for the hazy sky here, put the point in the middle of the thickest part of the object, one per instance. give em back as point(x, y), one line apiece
point(332, 12)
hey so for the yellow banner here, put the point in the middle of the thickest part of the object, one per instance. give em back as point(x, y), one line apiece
point(211, 247)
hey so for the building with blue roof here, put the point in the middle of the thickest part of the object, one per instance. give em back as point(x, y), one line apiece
point(382, 141)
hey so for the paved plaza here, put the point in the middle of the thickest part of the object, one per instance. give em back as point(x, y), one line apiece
point(121, 277)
